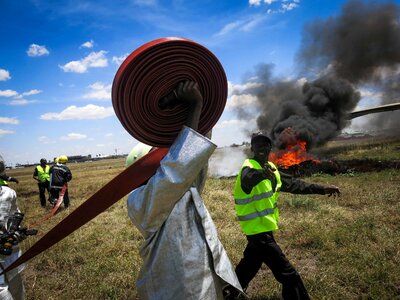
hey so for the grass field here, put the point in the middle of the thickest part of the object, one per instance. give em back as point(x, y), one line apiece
point(344, 248)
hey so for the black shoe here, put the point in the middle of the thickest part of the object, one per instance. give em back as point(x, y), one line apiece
point(230, 293)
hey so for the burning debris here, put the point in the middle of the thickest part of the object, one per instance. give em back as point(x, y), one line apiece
point(295, 151)
point(333, 167)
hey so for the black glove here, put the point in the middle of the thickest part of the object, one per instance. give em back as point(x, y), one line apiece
point(331, 190)
point(268, 172)
point(12, 179)
point(20, 235)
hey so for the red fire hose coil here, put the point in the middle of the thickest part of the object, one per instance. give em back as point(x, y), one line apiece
point(152, 72)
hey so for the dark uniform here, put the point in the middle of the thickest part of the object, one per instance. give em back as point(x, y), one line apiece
point(59, 175)
point(262, 247)
point(256, 194)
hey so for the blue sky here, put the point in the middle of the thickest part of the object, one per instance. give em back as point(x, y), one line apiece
point(58, 60)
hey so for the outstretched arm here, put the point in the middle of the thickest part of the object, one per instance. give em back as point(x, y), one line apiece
point(9, 178)
point(297, 186)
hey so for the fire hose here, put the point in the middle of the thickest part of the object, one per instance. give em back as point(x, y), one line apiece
point(55, 207)
point(148, 74)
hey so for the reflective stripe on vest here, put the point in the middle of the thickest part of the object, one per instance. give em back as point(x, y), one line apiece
point(43, 175)
point(3, 182)
point(257, 212)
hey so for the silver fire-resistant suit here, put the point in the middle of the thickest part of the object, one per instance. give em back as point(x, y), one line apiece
point(183, 257)
point(11, 285)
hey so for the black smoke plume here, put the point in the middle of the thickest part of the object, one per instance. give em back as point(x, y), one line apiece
point(360, 46)
point(315, 111)
point(357, 45)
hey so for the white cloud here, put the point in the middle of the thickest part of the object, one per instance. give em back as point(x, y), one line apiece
point(4, 132)
point(109, 135)
point(45, 140)
point(5, 120)
point(240, 88)
point(21, 102)
point(284, 5)
point(245, 25)
point(37, 50)
point(88, 112)
point(8, 93)
point(29, 93)
point(93, 60)
point(301, 81)
point(73, 136)
point(255, 2)
point(88, 44)
point(235, 123)
point(366, 93)
point(246, 100)
point(289, 6)
point(119, 59)
point(253, 22)
point(99, 91)
point(4, 75)
point(258, 2)
point(229, 28)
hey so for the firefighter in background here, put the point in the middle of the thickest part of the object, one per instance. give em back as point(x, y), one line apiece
point(4, 178)
point(60, 175)
point(11, 285)
point(42, 176)
point(256, 194)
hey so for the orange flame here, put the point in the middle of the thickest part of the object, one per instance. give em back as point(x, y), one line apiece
point(295, 153)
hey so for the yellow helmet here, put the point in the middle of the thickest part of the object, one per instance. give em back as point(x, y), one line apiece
point(62, 159)
point(136, 153)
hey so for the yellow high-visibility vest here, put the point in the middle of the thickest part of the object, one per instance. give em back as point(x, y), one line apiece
point(43, 174)
point(257, 212)
point(3, 182)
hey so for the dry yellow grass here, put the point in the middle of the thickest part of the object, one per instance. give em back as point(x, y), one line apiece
point(345, 248)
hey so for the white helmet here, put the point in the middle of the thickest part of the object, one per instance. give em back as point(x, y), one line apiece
point(136, 153)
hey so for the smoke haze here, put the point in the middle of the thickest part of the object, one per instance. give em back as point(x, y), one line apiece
point(359, 47)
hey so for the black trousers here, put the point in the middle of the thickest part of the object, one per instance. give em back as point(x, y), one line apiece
point(55, 193)
point(43, 186)
point(262, 248)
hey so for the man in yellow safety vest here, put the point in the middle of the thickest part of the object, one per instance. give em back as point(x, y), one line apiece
point(256, 195)
point(41, 175)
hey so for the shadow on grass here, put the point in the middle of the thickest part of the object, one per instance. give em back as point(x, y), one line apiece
point(265, 298)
